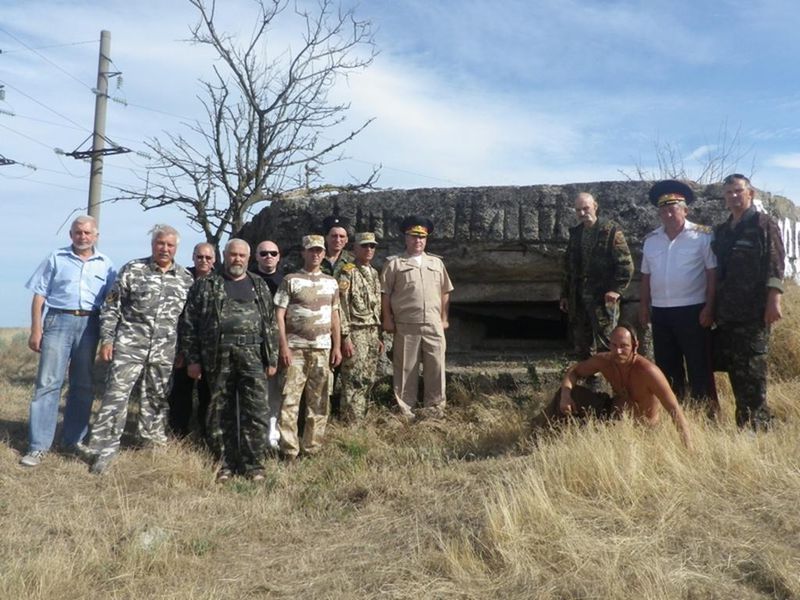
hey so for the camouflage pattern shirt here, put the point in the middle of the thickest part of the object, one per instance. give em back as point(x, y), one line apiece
point(359, 296)
point(309, 300)
point(335, 268)
point(140, 314)
point(750, 257)
point(602, 266)
point(201, 324)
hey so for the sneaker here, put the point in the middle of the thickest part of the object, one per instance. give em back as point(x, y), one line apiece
point(101, 464)
point(32, 458)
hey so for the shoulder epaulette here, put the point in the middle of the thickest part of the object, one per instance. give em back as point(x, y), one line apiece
point(703, 228)
point(434, 255)
point(347, 267)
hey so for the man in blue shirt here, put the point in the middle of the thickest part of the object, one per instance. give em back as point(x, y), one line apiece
point(71, 283)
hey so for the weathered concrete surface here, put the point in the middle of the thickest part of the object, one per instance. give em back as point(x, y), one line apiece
point(501, 244)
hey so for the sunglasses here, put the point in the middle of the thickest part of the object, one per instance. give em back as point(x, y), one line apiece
point(369, 245)
point(264, 253)
point(203, 257)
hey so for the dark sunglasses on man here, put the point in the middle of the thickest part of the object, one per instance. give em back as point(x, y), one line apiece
point(265, 253)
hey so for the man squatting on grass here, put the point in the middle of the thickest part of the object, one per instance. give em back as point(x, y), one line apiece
point(639, 388)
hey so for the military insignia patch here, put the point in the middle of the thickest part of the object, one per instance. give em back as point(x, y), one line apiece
point(344, 285)
point(347, 267)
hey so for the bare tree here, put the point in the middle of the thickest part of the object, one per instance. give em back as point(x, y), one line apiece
point(262, 138)
point(712, 161)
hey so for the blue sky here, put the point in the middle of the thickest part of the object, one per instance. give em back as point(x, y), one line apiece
point(463, 93)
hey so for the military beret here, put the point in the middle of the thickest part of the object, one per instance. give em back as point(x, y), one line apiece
point(417, 225)
point(329, 223)
point(364, 238)
point(670, 191)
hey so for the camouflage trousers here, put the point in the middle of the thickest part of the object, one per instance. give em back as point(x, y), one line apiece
point(591, 326)
point(238, 419)
point(358, 371)
point(125, 374)
point(308, 378)
point(740, 349)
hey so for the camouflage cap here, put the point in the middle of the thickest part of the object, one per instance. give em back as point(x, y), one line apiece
point(313, 241)
point(364, 238)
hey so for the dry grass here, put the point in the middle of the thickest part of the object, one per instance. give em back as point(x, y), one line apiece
point(465, 508)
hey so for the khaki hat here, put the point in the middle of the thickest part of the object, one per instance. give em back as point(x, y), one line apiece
point(364, 238)
point(313, 241)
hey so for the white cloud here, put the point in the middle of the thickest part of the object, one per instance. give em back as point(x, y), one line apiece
point(786, 161)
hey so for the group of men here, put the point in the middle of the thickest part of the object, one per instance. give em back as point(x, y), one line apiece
point(711, 297)
point(258, 345)
point(254, 344)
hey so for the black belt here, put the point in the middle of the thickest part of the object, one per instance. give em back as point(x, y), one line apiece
point(240, 339)
point(75, 312)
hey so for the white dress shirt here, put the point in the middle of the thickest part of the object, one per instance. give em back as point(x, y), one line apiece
point(677, 268)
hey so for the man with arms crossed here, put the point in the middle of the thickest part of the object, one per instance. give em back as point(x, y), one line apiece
point(639, 388)
point(72, 283)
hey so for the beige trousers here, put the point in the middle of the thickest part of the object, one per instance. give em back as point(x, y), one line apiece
point(307, 377)
point(415, 343)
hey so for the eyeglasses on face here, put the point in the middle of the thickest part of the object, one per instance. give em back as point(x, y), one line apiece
point(203, 257)
point(264, 253)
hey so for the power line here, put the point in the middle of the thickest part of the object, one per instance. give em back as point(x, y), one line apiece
point(28, 48)
point(44, 58)
point(19, 133)
point(43, 105)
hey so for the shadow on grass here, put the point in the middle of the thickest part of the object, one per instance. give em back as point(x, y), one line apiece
point(14, 434)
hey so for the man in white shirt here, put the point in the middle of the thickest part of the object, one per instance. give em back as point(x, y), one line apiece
point(677, 293)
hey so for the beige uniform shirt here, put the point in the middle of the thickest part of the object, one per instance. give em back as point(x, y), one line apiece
point(415, 290)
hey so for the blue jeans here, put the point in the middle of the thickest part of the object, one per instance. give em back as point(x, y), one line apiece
point(72, 340)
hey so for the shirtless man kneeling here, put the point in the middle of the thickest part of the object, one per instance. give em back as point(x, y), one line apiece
point(639, 387)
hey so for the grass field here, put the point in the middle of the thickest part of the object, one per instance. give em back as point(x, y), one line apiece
point(470, 507)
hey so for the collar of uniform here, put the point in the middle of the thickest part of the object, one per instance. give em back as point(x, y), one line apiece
point(67, 251)
point(745, 216)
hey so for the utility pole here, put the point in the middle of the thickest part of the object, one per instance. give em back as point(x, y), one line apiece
point(98, 137)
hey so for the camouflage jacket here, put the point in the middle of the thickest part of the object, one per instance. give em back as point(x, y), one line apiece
point(750, 259)
point(140, 313)
point(359, 296)
point(334, 269)
point(609, 270)
point(200, 324)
